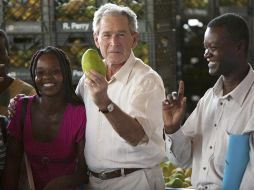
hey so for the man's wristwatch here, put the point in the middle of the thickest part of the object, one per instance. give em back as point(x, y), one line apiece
point(109, 108)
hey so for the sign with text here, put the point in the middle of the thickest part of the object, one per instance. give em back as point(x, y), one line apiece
point(23, 27)
point(74, 27)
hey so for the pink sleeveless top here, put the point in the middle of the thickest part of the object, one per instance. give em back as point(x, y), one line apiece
point(57, 157)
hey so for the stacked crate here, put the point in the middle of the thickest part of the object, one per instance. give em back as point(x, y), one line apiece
point(23, 22)
point(32, 24)
point(73, 28)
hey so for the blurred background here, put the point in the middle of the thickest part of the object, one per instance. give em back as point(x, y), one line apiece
point(171, 35)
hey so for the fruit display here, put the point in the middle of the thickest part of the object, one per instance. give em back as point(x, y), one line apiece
point(75, 50)
point(64, 10)
point(91, 60)
point(83, 10)
point(21, 58)
point(22, 48)
point(54, 22)
point(77, 10)
point(138, 6)
point(176, 177)
point(16, 10)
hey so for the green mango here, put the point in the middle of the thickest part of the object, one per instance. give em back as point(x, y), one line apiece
point(91, 60)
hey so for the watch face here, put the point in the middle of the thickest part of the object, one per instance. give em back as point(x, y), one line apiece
point(110, 107)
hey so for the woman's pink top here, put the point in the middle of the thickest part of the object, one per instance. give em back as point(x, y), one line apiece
point(57, 157)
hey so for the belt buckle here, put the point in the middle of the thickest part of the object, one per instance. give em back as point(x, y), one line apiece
point(102, 175)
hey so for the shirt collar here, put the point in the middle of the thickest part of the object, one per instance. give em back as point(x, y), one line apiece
point(124, 72)
point(240, 92)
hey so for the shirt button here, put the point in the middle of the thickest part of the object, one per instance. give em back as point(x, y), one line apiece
point(204, 168)
point(215, 125)
point(221, 103)
point(211, 147)
point(206, 187)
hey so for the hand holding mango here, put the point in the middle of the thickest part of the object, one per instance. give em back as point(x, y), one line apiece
point(91, 60)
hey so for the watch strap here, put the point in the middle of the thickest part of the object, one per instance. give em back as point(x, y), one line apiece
point(104, 110)
point(110, 108)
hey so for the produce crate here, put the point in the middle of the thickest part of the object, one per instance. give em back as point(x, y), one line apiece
point(138, 6)
point(27, 25)
point(75, 10)
point(18, 10)
point(68, 24)
point(22, 16)
point(75, 44)
point(22, 47)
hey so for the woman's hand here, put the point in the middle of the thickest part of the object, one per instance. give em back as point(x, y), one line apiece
point(12, 105)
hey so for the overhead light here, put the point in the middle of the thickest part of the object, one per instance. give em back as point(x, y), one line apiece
point(195, 22)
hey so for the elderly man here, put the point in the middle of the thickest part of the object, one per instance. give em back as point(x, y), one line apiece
point(124, 140)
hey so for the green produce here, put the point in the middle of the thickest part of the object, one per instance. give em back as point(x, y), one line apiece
point(91, 60)
point(175, 182)
point(178, 170)
point(176, 177)
point(188, 172)
point(167, 168)
point(186, 184)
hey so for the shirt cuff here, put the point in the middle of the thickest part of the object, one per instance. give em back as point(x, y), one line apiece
point(178, 148)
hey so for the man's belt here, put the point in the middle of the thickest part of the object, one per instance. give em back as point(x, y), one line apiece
point(113, 174)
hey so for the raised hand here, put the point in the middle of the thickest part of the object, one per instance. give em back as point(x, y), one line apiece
point(174, 110)
point(98, 87)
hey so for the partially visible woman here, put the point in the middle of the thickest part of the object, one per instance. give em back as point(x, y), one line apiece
point(9, 87)
point(53, 134)
point(3, 124)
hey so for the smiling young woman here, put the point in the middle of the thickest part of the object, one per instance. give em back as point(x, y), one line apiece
point(54, 127)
